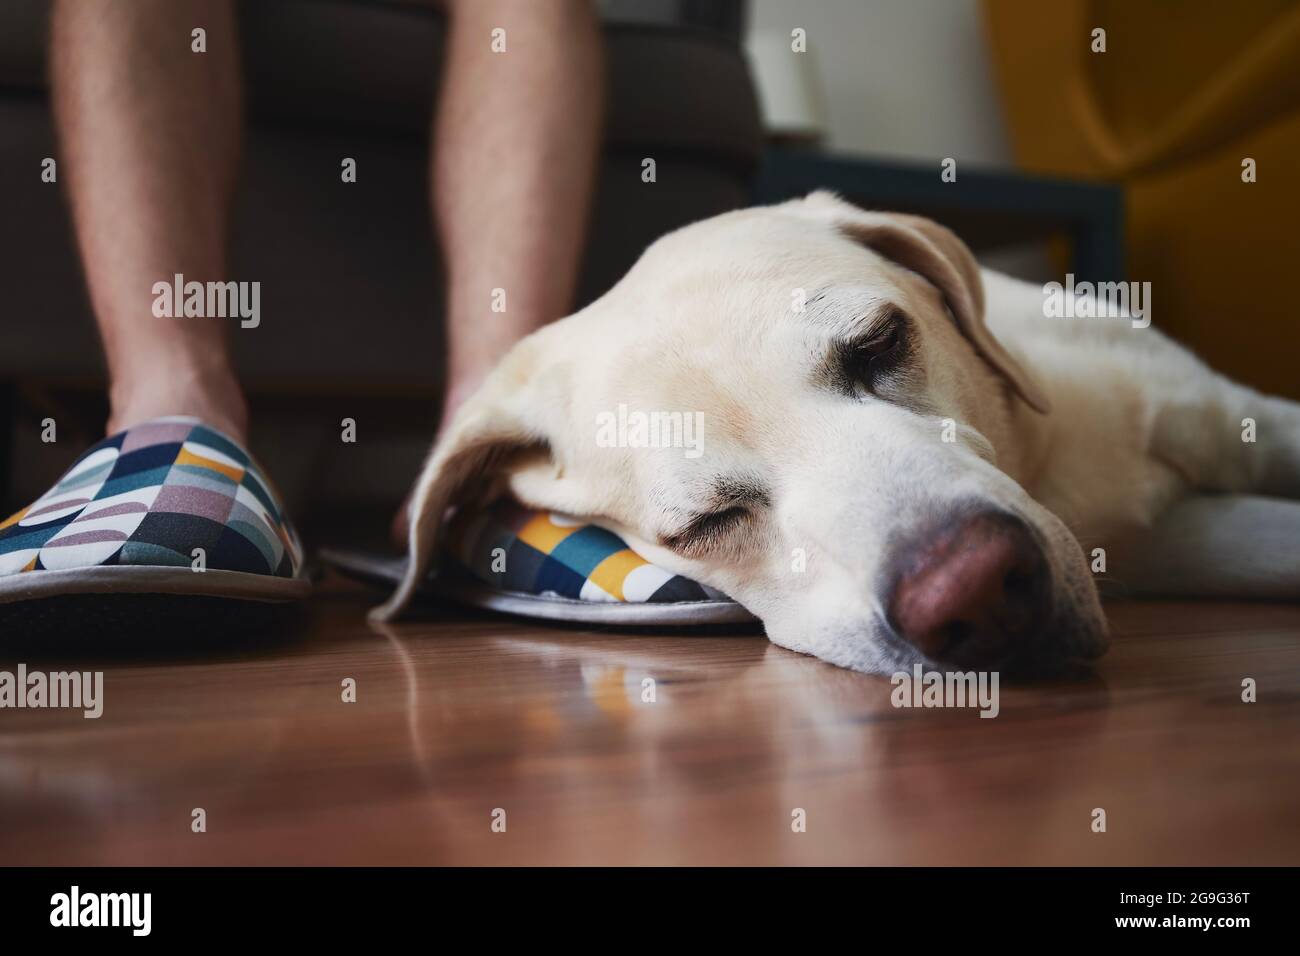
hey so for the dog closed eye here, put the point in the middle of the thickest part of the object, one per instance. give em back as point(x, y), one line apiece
point(735, 501)
point(862, 364)
point(703, 531)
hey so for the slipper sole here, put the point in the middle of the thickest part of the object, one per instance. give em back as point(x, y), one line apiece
point(130, 579)
point(125, 610)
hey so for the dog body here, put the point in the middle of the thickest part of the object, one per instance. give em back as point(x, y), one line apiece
point(1178, 473)
point(902, 459)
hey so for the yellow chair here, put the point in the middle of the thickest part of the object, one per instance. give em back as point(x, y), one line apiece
point(1184, 94)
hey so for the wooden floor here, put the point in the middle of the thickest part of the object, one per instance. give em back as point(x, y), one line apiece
point(457, 716)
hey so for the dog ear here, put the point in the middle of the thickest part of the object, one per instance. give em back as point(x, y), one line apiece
point(935, 253)
point(500, 422)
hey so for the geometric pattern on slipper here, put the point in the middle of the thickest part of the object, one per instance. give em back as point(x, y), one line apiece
point(516, 549)
point(147, 497)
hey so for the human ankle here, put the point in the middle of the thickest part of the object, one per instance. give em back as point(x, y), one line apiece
point(216, 401)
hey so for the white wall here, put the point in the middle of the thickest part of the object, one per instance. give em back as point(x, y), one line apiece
point(906, 79)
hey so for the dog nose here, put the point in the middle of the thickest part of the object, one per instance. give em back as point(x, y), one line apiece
point(972, 593)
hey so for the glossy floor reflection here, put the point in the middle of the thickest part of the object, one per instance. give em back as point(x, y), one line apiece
point(457, 716)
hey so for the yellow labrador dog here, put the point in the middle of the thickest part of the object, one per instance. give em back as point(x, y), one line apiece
point(901, 459)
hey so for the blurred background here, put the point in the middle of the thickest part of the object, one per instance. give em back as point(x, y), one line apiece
point(1125, 163)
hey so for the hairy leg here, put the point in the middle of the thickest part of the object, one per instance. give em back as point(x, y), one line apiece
point(514, 164)
point(515, 145)
point(149, 132)
point(1225, 437)
point(1278, 436)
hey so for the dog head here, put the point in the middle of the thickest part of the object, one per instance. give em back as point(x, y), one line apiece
point(801, 406)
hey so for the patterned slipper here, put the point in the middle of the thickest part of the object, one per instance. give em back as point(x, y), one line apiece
point(549, 566)
point(169, 507)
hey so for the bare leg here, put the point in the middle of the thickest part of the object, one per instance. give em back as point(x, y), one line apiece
point(515, 145)
point(150, 140)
